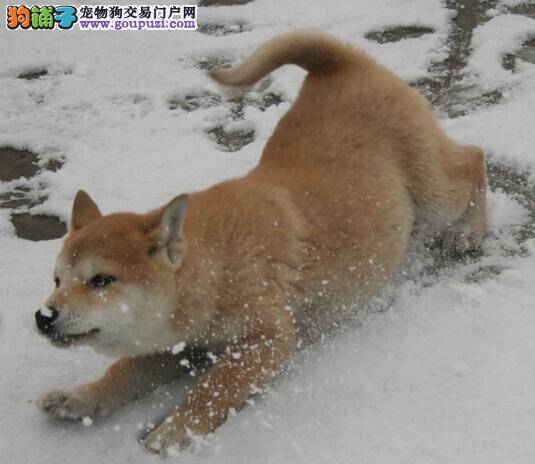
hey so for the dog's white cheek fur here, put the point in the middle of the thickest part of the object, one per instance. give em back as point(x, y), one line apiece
point(136, 324)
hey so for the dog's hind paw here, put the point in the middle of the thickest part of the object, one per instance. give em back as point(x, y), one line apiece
point(74, 404)
point(460, 244)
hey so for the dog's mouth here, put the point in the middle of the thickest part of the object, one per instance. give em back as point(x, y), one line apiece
point(71, 339)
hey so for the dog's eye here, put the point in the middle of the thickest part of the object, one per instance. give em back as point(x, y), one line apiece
point(101, 280)
point(57, 282)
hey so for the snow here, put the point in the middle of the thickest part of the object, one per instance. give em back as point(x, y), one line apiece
point(87, 421)
point(124, 308)
point(178, 348)
point(513, 3)
point(45, 311)
point(502, 34)
point(441, 372)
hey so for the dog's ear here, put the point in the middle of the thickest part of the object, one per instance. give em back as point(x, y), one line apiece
point(84, 211)
point(170, 231)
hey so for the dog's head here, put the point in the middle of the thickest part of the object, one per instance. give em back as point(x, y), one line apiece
point(115, 279)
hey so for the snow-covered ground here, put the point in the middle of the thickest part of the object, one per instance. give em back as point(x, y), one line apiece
point(445, 375)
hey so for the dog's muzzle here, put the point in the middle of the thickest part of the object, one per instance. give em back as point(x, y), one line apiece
point(44, 319)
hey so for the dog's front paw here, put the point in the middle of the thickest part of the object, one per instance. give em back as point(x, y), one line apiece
point(74, 404)
point(167, 438)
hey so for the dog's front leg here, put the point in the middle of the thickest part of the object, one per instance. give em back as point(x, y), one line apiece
point(124, 381)
point(244, 367)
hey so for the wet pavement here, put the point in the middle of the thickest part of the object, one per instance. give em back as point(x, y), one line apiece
point(15, 163)
point(231, 139)
point(524, 53)
point(38, 227)
point(18, 165)
point(445, 88)
point(193, 102)
point(527, 9)
point(221, 29)
point(396, 34)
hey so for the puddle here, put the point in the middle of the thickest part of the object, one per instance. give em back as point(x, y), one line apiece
point(398, 33)
point(15, 163)
point(220, 29)
point(193, 102)
point(231, 140)
point(33, 74)
point(38, 227)
point(223, 2)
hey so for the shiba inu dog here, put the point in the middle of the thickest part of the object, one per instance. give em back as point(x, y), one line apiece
point(249, 266)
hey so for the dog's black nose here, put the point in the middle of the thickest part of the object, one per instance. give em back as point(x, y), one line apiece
point(44, 321)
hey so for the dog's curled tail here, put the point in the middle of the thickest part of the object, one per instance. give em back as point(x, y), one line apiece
point(317, 53)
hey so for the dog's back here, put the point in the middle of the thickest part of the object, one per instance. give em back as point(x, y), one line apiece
point(337, 156)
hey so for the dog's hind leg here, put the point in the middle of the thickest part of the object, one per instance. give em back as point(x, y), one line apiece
point(124, 381)
point(452, 197)
point(467, 232)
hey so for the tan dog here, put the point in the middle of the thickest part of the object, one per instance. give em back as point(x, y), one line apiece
point(249, 266)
